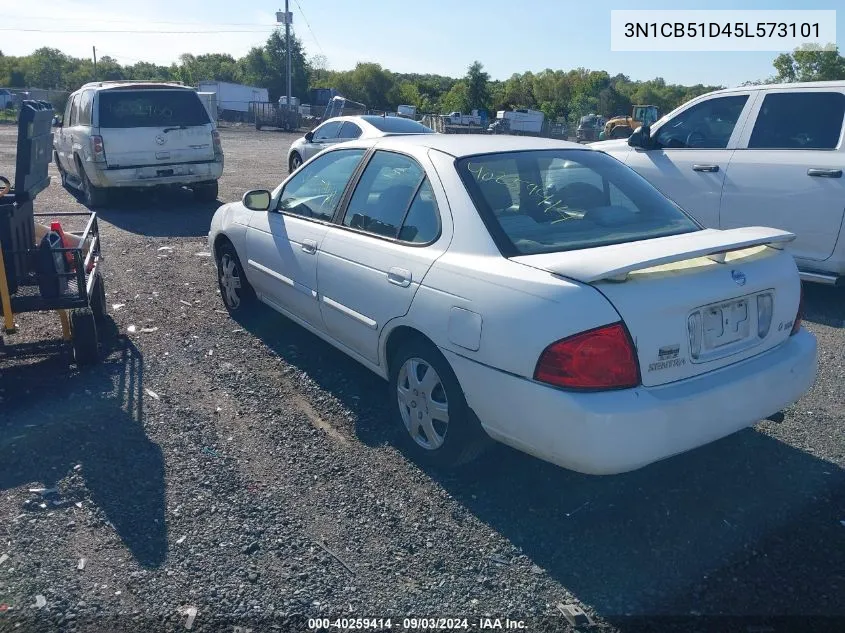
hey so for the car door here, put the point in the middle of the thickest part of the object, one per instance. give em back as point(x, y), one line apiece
point(282, 244)
point(372, 263)
point(324, 136)
point(788, 171)
point(65, 136)
point(688, 154)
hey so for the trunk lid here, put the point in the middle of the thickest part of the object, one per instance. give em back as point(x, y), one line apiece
point(154, 127)
point(695, 302)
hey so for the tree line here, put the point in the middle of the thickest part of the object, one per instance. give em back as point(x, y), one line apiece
point(561, 95)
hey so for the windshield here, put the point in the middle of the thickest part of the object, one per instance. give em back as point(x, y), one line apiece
point(397, 125)
point(557, 200)
point(151, 108)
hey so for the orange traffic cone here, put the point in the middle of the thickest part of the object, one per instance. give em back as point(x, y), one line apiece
point(57, 227)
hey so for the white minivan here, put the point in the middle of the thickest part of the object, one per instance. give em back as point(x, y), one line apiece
point(119, 134)
point(770, 155)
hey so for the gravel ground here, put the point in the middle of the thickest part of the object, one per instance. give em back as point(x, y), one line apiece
point(249, 470)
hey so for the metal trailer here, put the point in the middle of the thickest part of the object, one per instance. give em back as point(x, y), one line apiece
point(41, 278)
point(274, 115)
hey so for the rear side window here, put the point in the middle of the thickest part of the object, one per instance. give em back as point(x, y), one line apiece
point(799, 120)
point(349, 131)
point(560, 200)
point(151, 108)
point(394, 199)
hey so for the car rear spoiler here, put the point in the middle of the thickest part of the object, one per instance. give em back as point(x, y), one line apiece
point(614, 262)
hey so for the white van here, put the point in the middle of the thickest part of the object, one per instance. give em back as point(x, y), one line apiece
point(137, 134)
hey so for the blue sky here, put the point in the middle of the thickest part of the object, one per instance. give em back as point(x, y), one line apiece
point(433, 36)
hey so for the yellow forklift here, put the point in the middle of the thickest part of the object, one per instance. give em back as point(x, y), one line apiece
point(43, 266)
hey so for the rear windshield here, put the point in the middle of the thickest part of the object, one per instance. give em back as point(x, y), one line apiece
point(558, 200)
point(151, 108)
point(397, 125)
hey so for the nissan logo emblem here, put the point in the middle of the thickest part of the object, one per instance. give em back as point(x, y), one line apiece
point(739, 277)
point(161, 140)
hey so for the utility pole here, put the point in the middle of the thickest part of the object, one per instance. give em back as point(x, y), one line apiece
point(288, 17)
point(94, 48)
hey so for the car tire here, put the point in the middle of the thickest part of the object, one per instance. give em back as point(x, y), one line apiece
point(62, 172)
point(235, 290)
point(83, 328)
point(98, 300)
point(295, 162)
point(455, 441)
point(93, 197)
point(206, 192)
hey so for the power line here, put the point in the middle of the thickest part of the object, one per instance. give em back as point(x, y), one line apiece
point(140, 31)
point(133, 20)
point(309, 27)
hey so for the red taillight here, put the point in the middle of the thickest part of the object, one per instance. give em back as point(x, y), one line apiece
point(603, 358)
point(98, 149)
point(796, 325)
point(218, 145)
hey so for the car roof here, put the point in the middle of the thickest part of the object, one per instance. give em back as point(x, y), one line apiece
point(460, 145)
point(799, 85)
point(367, 121)
point(154, 85)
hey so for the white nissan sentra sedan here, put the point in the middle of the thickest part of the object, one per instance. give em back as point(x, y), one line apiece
point(536, 292)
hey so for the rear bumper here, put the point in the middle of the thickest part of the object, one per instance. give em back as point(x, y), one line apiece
point(183, 174)
point(614, 432)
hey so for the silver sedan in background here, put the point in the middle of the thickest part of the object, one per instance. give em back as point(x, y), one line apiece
point(348, 128)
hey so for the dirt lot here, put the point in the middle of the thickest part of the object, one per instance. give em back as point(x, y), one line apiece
point(249, 470)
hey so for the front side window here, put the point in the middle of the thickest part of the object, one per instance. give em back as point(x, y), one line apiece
point(394, 199)
point(74, 111)
point(85, 106)
point(315, 190)
point(799, 120)
point(706, 125)
point(560, 200)
point(326, 131)
point(151, 108)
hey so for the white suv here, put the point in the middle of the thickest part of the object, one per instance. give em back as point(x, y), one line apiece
point(137, 134)
point(770, 155)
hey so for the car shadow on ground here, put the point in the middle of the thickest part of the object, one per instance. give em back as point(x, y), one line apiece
point(54, 418)
point(824, 305)
point(708, 531)
point(158, 213)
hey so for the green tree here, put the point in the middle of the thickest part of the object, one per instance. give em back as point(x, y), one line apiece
point(809, 63)
point(457, 99)
point(477, 90)
point(267, 67)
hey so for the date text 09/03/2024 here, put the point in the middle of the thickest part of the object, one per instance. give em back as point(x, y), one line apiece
point(416, 624)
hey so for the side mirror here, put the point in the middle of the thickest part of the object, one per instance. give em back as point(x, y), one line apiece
point(257, 200)
point(641, 137)
point(57, 122)
point(309, 136)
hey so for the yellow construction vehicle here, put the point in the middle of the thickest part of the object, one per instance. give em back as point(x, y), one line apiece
point(624, 126)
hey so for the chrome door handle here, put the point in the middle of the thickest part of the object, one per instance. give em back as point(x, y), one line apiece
point(399, 277)
point(824, 173)
point(309, 246)
point(708, 168)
